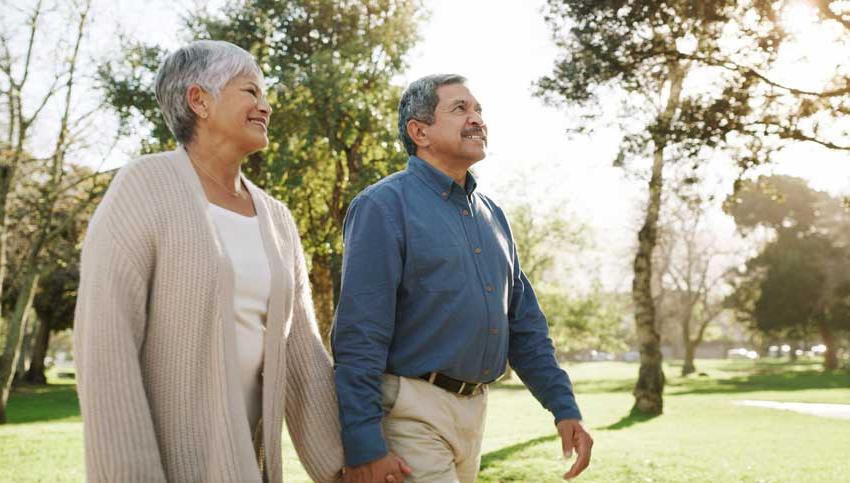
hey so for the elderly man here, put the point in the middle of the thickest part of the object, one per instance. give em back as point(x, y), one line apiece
point(433, 304)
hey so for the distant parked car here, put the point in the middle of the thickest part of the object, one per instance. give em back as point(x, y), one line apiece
point(630, 356)
point(742, 353)
point(593, 355)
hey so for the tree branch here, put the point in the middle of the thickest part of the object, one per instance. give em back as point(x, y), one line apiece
point(749, 71)
point(827, 13)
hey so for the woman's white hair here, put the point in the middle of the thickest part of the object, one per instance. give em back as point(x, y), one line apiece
point(209, 64)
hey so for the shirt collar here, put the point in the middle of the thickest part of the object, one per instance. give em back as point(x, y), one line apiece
point(441, 183)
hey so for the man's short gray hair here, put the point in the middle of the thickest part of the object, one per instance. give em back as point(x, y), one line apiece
point(208, 63)
point(419, 102)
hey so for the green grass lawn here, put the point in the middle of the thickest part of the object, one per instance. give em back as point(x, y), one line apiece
point(702, 435)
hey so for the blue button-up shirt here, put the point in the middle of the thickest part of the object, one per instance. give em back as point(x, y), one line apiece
point(431, 282)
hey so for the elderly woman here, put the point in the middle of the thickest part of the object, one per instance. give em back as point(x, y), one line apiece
point(195, 334)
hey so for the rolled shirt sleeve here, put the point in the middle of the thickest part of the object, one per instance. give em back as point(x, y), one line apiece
point(364, 325)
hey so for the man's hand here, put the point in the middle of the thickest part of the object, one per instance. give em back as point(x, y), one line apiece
point(573, 435)
point(389, 469)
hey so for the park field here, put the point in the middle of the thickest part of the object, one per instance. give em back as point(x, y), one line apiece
point(703, 435)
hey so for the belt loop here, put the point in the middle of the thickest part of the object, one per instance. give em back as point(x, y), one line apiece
point(432, 377)
point(462, 385)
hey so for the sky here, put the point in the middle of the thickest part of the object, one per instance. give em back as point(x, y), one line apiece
point(502, 47)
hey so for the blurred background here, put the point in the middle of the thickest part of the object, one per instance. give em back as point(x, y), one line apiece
point(677, 175)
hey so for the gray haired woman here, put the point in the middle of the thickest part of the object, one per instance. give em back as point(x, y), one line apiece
point(195, 335)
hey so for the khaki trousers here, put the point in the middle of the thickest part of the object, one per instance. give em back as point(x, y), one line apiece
point(437, 433)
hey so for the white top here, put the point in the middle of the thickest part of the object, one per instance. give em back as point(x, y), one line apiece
point(240, 236)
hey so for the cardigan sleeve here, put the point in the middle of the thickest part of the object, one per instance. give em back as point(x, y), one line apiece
point(109, 327)
point(311, 404)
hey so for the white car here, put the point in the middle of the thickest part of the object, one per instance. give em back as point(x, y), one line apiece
point(742, 353)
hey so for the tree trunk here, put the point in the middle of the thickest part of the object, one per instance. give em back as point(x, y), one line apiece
point(687, 344)
point(14, 338)
point(23, 357)
point(321, 278)
point(650, 385)
point(830, 357)
point(688, 366)
point(35, 374)
point(649, 389)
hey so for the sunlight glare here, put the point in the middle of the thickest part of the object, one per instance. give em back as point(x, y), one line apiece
point(799, 18)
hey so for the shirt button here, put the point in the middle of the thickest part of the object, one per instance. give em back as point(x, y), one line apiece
point(494, 331)
point(465, 212)
point(488, 288)
point(444, 194)
point(476, 250)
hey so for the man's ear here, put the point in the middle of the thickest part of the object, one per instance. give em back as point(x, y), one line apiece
point(198, 100)
point(418, 132)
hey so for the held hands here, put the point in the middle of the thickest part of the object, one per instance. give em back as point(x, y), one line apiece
point(573, 435)
point(389, 469)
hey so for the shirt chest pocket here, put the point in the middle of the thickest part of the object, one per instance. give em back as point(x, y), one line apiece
point(438, 264)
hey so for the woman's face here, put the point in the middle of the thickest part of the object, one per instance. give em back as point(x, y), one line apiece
point(240, 114)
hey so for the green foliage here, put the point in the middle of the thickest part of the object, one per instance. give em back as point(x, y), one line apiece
point(777, 202)
point(128, 89)
point(543, 240)
point(592, 321)
point(799, 283)
point(627, 51)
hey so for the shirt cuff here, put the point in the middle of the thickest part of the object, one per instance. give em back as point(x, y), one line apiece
point(568, 409)
point(363, 444)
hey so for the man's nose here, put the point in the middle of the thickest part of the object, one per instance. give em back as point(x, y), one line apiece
point(476, 119)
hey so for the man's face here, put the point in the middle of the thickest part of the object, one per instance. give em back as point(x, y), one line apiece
point(458, 134)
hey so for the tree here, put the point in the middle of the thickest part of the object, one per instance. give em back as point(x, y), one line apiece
point(32, 186)
point(54, 306)
point(636, 60)
point(799, 282)
point(56, 296)
point(330, 65)
point(584, 321)
point(541, 239)
point(692, 276)
point(797, 110)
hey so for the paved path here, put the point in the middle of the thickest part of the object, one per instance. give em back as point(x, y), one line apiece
point(840, 411)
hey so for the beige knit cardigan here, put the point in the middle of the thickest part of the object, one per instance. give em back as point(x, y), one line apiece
point(158, 380)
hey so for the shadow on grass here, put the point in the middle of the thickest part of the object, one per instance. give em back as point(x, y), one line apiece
point(629, 420)
point(30, 404)
point(767, 379)
point(581, 387)
point(494, 457)
point(603, 386)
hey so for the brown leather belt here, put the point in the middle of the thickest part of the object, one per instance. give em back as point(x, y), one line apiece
point(451, 384)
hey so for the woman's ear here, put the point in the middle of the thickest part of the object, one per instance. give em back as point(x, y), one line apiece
point(198, 100)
